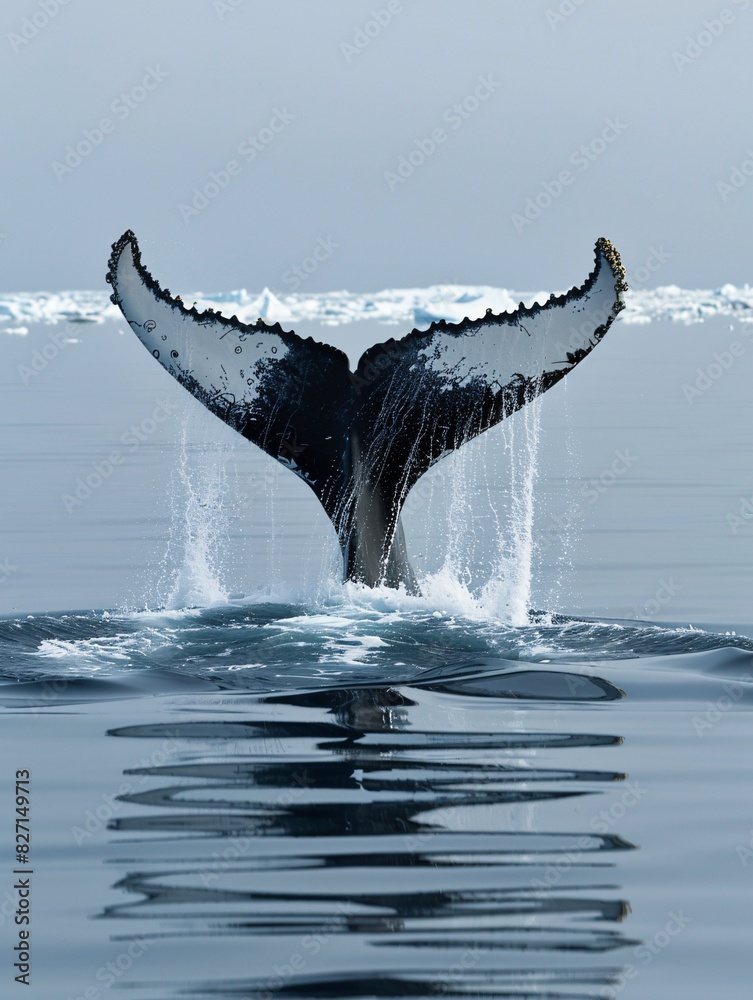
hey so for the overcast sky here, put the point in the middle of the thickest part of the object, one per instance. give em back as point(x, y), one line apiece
point(405, 140)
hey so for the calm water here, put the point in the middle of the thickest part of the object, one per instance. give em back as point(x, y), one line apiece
point(250, 782)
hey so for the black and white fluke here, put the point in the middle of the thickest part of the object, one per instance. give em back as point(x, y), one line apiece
point(361, 439)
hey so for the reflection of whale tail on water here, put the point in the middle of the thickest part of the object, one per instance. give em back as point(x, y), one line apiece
point(362, 439)
point(333, 843)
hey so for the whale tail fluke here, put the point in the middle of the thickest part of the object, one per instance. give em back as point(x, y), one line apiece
point(361, 440)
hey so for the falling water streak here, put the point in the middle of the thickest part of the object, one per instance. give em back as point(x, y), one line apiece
point(523, 496)
point(573, 520)
point(458, 560)
point(272, 483)
point(200, 526)
point(508, 592)
point(263, 491)
point(493, 506)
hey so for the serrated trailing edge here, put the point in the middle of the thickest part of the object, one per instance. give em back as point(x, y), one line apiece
point(128, 239)
point(602, 245)
point(604, 249)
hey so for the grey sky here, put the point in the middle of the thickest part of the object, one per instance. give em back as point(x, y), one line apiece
point(314, 123)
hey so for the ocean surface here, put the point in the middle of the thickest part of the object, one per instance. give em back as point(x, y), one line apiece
point(251, 781)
